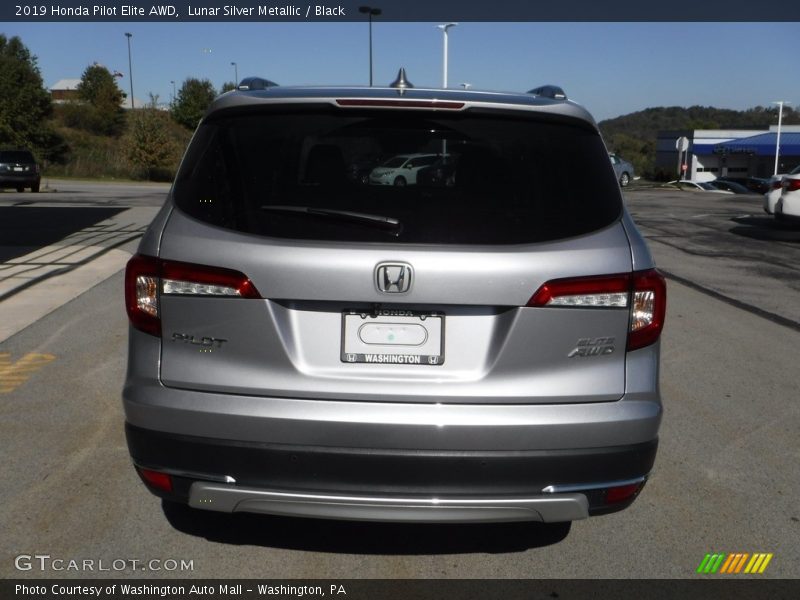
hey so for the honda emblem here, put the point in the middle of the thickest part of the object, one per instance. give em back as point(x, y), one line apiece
point(393, 278)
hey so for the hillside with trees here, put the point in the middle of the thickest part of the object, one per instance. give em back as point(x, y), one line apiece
point(633, 136)
point(93, 136)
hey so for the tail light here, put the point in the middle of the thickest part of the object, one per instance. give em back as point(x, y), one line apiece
point(643, 292)
point(791, 185)
point(776, 185)
point(148, 278)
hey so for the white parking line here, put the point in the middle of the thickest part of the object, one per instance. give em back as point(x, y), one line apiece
point(30, 305)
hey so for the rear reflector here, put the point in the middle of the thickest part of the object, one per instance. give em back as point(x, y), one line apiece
point(156, 479)
point(622, 493)
point(645, 292)
point(148, 278)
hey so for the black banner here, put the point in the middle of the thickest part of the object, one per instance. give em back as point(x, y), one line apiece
point(387, 589)
point(407, 10)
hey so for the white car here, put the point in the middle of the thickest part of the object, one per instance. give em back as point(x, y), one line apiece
point(774, 193)
point(401, 170)
point(788, 205)
point(700, 186)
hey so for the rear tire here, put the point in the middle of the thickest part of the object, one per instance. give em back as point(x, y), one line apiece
point(20, 189)
point(624, 180)
point(35, 188)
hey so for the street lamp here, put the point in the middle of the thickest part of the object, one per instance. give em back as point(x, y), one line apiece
point(780, 104)
point(371, 12)
point(466, 86)
point(130, 67)
point(444, 29)
point(174, 95)
point(235, 74)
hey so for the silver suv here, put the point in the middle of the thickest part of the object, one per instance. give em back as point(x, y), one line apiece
point(303, 344)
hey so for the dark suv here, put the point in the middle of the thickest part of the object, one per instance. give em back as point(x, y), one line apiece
point(18, 169)
point(304, 344)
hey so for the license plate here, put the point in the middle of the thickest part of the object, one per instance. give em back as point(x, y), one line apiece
point(393, 337)
point(17, 169)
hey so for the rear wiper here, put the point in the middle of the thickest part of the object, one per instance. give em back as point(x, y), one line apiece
point(389, 223)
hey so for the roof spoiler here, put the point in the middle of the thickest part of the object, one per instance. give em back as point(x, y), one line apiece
point(549, 91)
point(255, 83)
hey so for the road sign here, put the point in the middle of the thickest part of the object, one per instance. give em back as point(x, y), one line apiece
point(682, 144)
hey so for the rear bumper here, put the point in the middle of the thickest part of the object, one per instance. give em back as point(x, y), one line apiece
point(25, 180)
point(390, 484)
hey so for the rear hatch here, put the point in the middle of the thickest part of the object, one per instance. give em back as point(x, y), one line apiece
point(407, 293)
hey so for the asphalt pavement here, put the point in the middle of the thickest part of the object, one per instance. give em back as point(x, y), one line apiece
point(725, 478)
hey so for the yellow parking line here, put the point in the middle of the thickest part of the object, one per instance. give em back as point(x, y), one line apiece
point(14, 374)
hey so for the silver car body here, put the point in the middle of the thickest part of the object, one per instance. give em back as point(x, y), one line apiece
point(488, 397)
point(623, 170)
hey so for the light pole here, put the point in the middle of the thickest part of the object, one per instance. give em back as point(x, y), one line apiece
point(444, 29)
point(371, 12)
point(235, 74)
point(780, 104)
point(174, 95)
point(130, 67)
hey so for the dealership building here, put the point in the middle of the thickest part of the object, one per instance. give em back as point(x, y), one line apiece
point(716, 153)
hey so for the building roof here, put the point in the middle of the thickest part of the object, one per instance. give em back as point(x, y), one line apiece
point(66, 84)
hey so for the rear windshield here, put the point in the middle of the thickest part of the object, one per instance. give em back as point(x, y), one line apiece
point(20, 156)
point(411, 177)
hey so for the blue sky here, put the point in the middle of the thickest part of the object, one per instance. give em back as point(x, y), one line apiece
point(611, 68)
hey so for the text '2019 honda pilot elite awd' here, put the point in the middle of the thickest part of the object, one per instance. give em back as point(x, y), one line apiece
point(308, 343)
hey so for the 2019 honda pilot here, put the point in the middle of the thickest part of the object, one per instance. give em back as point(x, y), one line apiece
point(303, 344)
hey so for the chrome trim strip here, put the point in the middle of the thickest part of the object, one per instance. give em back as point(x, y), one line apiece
point(582, 487)
point(548, 508)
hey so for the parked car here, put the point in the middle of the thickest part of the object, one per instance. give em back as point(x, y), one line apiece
point(729, 186)
point(440, 173)
point(772, 196)
point(757, 185)
point(623, 169)
point(698, 186)
point(301, 344)
point(19, 169)
point(788, 205)
point(401, 170)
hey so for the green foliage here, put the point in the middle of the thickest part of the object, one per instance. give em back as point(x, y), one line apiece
point(102, 112)
point(193, 99)
point(227, 87)
point(103, 156)
point(150, 148)
point(25, 103)
point(634, 136)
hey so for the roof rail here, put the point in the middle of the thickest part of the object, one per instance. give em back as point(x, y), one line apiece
point(549, 91)
point(255, 83)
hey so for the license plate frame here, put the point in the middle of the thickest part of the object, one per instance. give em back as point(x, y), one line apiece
point(393, 337)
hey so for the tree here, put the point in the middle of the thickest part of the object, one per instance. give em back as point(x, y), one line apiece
point(193, 99)
point(24, 103)
point(98, 89)
point(149, 147)
point(227, 87)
